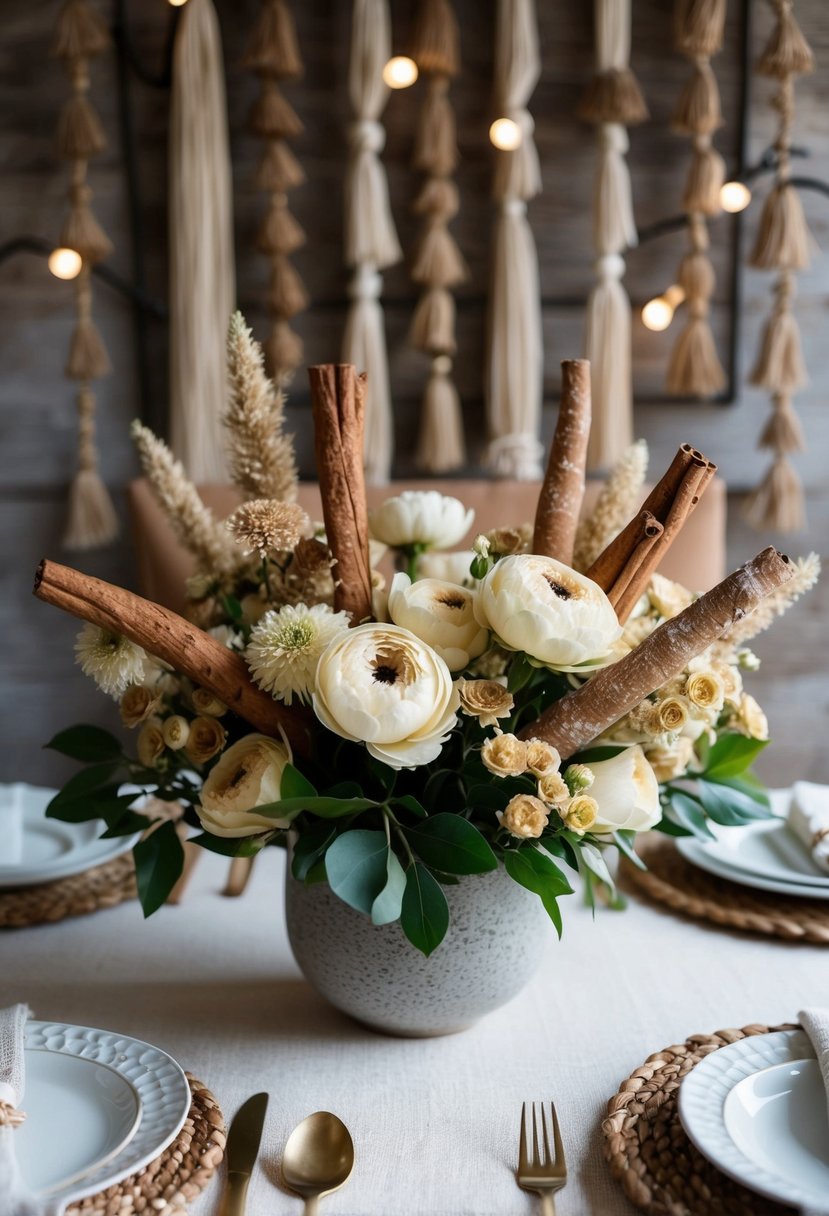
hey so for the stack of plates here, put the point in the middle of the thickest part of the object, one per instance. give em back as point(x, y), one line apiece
point(765, 854)
point(757, 1110)
point(51, 849)
point(99, 1107)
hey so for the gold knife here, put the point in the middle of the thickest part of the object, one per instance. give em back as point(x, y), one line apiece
point(242, 1147)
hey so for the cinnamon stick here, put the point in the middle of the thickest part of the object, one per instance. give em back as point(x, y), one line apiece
point(338, 407)
point(581, 716)
point(171, 638)
point(562, 490)
point(649, 530)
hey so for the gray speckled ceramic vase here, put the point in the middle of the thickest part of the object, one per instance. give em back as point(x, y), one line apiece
point(498, 935)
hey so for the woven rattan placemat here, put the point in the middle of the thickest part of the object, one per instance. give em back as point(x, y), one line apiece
point(102, 887)
point(660, 1170)
point(175, 1178)
point(670, 879)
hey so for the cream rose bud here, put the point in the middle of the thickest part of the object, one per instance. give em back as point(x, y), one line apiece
point(205, 738)
point(420, 517)
point(442, 615)
point(553, 788)
point(668, 763)
point(380, 685)
point(175, 732)
point(505, 755)
point(751, 718)
point(580, 814)
point(544, 608)
point(150, 743)
point(626, 792)
point(206, 702)
point(486, 700)
point(542, 758)
point(705, 690)
point(248, 775)
point(673, 714)
point(137, 704)
point(525, 816)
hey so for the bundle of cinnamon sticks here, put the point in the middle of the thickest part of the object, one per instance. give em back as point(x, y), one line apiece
point(622, 570)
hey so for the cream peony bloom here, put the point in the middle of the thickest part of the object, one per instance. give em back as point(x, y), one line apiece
point(450, 567)
point(626, 791)
point(380, 685)
point(525, 816)
point(505, 755)
point(248, 775)
point(420, 517)
point(440, 614)
point(541, 606)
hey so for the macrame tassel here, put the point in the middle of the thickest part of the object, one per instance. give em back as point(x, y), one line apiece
point(435, 42)
point(436, 148)
point(439, 262)
point(695, 369)
point(698, 110)
point(441, 444)
point(787, 53)
point(777, 503)
point(438, 198)
point(608, 347)
point(273, 45)
point(81, 32)
point(518, 173)
point(279, 170)
point(433, 323)
point(88, 358)
point(283, 349)
point(279, 231)
point(82, 232)
point(613, 96)
point(783, 432)
point(699, 26)
point(784, 241)
point(704, 182)
point(272, 116)
point(92, 520)
point(287, 295)
point(780, 367)
point(614, 228)
point(696, 276)
point(80, 133)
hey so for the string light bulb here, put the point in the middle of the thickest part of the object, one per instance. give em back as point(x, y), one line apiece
point(734, 196)
point(176, 3)
point(65, 263)
point(505, 134)
point(400, 72)
point(658, 313)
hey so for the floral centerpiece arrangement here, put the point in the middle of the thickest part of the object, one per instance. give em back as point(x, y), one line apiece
point(531, 703)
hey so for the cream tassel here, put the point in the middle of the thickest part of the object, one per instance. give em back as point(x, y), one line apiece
point(433, 323)
point(92, 520)
point(608, 344)
point(780, 367)
point(783, 432)
point(777, 503)
point(698, 110)
point(441, 444)
point(783, 238)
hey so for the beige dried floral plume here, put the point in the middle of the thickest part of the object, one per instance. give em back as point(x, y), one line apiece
point(265, 526)
point(616, 504)
point(806, 574)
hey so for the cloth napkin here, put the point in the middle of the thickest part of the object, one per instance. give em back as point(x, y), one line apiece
point(11, 824)
point(809, 820)
point(816, 1024)
point(15, 1197)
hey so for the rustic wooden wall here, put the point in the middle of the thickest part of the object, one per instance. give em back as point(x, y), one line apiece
point(43, 689)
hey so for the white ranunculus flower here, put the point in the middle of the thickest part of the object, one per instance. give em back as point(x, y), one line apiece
point(442, 615)
point(248, 775)
point(451, 567)
point(380, 685)
point(420, 517)
point(539, 605)
point(626, 791)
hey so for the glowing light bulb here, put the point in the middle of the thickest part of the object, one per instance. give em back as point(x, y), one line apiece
point(734, 196)
point(400, 72)
point(65, 263)
point(176, 3)
point(657, 314)
point(505, 134)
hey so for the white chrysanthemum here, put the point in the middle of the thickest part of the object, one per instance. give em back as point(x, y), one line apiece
point(285, 647)
point(111, 660)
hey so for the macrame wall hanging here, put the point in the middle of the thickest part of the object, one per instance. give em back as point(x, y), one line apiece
point(81, 35)
point(371, 241)
point(438, 265)
point(273, 54)
point(514, 369)
point(695, 369)
point(784, 244)
point(613, 102)
point(202, 280)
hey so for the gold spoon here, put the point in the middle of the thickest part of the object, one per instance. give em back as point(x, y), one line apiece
point(318, 1158)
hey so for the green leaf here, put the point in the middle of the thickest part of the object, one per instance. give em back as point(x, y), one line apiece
point(104, 804)
point(324, 807)
point(520, 673)
point(450, 842)
point(749, 785)
point(727, 805)
point(87, 743)
point(356, 866)
point(591, 858)
point(85, 781)
point(624, 843)
point(411, 804)
point(731, 755)
point(424, 915)
point(310, 848)
point(231, 846)
point(388, 904)
point(232, 607)
point(126, 825)
point(538, 873)
point(689, 814)
point(294, 785)
point(159, 860)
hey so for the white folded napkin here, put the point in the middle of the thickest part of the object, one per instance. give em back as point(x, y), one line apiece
point(809, 820)
point(815, 1022)
point(11, 824)
point(15, 1197)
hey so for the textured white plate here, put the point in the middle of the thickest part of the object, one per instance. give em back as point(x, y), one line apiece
point(757, 1109)
point(63, 1147)
point(52, 849)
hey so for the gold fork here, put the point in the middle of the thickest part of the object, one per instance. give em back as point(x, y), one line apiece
point(541, 1172)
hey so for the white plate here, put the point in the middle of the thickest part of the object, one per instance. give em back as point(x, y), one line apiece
point(757, 1109)
point(100, 1107)
point(52, 849)
point(695, 851)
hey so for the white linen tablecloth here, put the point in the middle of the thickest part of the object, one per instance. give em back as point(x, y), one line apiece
point(435, 1122)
